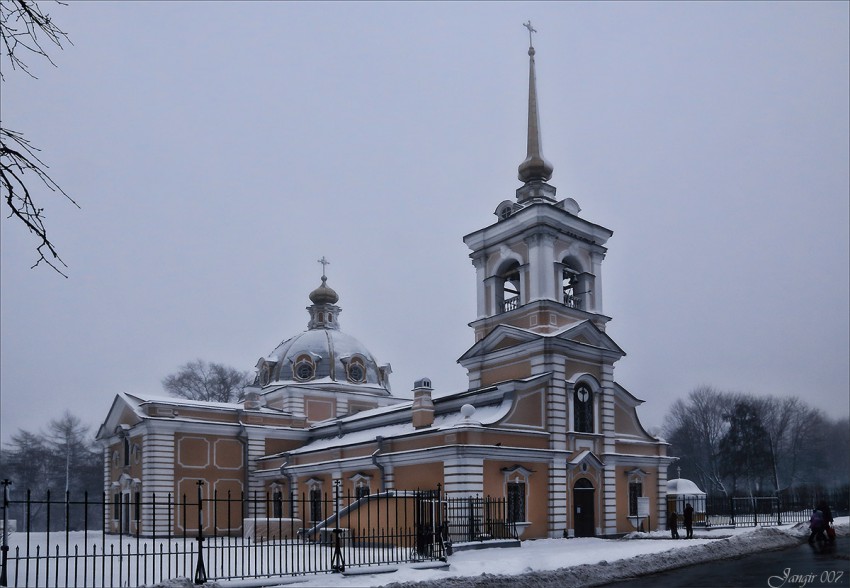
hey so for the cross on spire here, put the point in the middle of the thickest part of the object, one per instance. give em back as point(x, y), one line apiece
point(531, 29)
point(324, 263)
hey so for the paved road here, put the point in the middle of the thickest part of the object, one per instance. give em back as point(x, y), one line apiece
point(795, 567)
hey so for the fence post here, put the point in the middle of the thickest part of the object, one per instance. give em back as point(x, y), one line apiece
point(200, 569)
point(337, 561)
point(5, 547)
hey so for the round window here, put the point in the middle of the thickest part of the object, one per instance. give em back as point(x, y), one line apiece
point(304, 370)
point(356, 373)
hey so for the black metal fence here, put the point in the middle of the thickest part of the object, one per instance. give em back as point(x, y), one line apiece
point(479, 519)
point(720, 511)
point(138, 540)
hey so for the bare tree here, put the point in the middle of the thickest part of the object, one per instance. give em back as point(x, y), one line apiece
point(26, 31)
point(210, 382)
point(695, 427)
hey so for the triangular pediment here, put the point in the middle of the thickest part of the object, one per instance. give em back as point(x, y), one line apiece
point(124, 411)
point(586, 333)
point(502, 337)
point(585, 456)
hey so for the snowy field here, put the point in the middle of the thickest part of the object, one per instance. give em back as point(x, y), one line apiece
point(571, 562)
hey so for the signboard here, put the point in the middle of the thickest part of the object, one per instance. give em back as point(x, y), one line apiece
point(643, 506)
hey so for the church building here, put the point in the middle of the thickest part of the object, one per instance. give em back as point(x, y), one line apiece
point(542, 424)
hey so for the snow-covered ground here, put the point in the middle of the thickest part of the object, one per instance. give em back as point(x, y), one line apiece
point(568, 562)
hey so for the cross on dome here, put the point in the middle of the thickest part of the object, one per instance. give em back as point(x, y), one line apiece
point(531, 29)
point(324, 263)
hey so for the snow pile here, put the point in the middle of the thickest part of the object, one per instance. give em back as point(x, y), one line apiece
point(583, 562)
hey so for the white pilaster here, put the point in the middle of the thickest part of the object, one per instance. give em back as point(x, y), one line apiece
point(557, 496)
point(481, 287)
point(463, 477)
point(157, 482)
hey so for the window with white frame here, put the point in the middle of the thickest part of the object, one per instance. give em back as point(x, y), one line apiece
point(315, 494)
point(362, 485)
point(583, 408)
point(516, 493)
point(635, 490)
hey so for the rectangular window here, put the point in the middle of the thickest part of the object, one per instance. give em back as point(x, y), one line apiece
point(277, 505)
point(137, 507)
point(361, 491)
point(635, 492)
point(316, 505)
point(116, 507)
point(516, 502)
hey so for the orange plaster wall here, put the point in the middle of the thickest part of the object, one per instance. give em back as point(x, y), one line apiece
point(640, 448)
point(537, 498)
point(380, 516)
point(574, 367)
point(217, 460)
point(514, 371)
point(280, 445)
point(528, 410)
point(624, 421)
point(649, 489)
point(423, 476)
point(319, 409)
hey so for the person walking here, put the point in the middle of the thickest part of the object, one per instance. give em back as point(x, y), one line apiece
point(817, 525)
point(689, 521)
point(827, 520)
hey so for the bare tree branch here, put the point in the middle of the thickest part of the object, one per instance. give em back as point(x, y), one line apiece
point(17, 159)
point(24, 26)
point(25, 30)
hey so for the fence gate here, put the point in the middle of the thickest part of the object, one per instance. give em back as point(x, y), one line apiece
point(427, 522)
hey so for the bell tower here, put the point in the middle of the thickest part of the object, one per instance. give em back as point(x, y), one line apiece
point(539, 266)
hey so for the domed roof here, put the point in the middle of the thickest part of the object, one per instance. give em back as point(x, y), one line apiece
point(324, 294)
point(682, 486)
point(318, 354)
point(323, 354)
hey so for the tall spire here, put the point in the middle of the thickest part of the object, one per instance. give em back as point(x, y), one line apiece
point(535, 168)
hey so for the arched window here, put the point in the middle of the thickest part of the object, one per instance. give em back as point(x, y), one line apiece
point(315, 501)
point(355, 370)
point(583, 408)
point(508, 287)
point(304, 368)
point(574, 284)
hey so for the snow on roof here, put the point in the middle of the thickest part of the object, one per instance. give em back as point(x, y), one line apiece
point(138, 401)
point(682, 486)
point(482, 416)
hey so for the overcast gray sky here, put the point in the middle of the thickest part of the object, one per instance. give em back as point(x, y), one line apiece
point(219, 149)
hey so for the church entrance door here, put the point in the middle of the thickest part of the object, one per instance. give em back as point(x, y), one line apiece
point(583, 499)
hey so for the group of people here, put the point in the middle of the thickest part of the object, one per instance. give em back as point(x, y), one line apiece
point(821, 523)
point(687, 521)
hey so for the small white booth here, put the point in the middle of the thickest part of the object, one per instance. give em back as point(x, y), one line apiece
point(681, 491)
